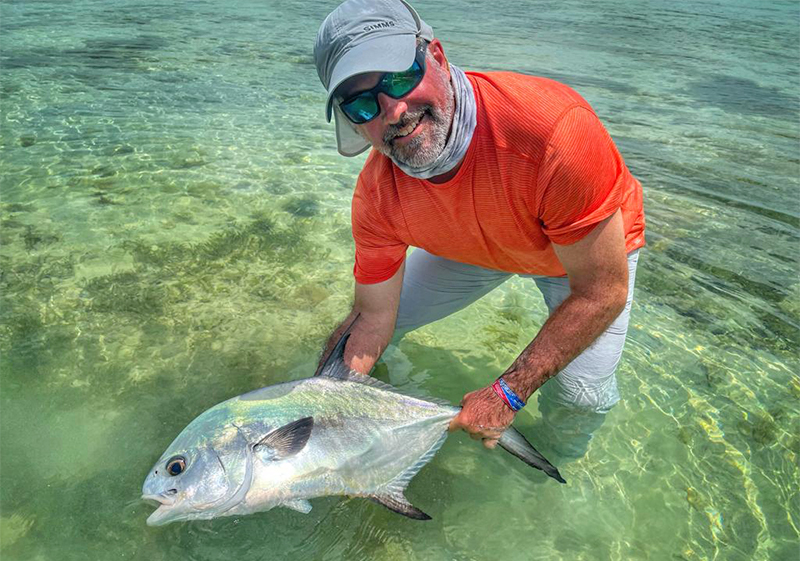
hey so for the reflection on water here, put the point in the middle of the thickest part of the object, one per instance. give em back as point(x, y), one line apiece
point(174, 230)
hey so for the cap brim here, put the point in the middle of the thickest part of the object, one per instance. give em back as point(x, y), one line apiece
point(348, 141)
point(382, 54)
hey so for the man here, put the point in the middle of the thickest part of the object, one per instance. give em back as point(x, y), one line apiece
point(488, 175)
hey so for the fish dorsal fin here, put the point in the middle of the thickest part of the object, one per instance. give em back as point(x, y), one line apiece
point(334, 366)
point(354, 376)
point(400, 505)
point(370, 381)
point(285, 441)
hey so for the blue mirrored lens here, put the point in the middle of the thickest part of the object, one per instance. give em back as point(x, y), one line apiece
point(361, 108)
point(364, 106)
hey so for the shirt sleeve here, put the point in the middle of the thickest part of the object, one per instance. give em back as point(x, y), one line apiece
point(581, 177)
point(379, 253)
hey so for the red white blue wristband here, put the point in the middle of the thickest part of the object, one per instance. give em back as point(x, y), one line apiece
point(507, 395)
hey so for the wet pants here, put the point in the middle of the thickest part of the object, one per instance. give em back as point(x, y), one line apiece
point(575, 401)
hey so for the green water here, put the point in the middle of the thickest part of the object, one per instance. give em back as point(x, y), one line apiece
point(174, 231)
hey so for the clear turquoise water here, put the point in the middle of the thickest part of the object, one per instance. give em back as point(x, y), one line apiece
point(175, 231)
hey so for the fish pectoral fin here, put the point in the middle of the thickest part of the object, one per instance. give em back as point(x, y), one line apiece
point(300, 505)
point(286, 441)
point(399, 504)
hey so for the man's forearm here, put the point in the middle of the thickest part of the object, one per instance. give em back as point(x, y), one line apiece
point(574, 325)
point(368, 339)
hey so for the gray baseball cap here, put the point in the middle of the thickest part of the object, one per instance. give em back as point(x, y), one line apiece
point(364, 36)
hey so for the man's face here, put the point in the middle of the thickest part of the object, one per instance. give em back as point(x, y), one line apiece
point(412, 130)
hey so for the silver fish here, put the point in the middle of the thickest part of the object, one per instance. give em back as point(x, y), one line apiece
point(340, 433)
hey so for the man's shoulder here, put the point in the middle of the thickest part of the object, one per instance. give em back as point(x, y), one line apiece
point(532, 91)
point(519, 108)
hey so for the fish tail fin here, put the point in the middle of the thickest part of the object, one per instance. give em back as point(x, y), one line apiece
point(514, 443)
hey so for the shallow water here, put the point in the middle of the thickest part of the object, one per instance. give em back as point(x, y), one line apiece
point(175, 231)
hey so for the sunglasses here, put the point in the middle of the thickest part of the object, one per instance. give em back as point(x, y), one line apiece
point(363, 107)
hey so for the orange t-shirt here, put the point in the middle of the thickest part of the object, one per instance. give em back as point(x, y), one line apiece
point(541, 169)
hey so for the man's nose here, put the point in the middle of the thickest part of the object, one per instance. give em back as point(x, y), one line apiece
point(391, 109)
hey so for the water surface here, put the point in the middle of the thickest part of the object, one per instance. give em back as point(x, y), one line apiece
point(174, 231)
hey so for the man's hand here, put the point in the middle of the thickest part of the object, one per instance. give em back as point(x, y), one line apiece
point(484, 416)
point(376, 308)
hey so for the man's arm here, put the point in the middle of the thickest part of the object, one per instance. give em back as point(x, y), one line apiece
point(598, 279)
point(376, 304)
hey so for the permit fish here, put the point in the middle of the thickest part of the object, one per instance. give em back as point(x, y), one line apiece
point(338, 433)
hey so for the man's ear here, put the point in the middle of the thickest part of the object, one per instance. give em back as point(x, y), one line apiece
point(437, 51)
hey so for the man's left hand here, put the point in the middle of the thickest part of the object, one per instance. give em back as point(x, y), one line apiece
point(484, 416)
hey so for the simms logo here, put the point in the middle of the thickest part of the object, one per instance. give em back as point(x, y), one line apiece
point(378, 25)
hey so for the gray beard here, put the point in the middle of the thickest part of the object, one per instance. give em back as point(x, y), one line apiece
point(461, 122)
point(423, 150)
point(417, 153)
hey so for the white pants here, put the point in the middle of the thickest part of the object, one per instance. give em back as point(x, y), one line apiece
point(577, 398)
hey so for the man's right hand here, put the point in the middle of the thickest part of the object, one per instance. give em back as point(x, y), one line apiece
point(483, 416)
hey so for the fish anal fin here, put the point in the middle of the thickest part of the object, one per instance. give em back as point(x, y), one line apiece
point(392, 496)
point(398, 485)
point(285, 441)
point(300, 505)
point(399, 504)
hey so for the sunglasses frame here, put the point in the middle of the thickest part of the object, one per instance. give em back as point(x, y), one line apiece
point(419, 60)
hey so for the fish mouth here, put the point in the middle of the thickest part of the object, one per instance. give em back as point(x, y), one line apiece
point(161, 499)
point(164, 502)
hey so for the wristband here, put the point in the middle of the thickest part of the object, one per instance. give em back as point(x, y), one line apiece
point(508, 396)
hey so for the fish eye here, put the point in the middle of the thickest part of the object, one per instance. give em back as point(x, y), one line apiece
point(176, 465)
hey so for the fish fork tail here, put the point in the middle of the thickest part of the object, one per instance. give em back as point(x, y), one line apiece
point(514, 443)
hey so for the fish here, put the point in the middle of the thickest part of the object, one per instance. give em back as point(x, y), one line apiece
point(337, 433)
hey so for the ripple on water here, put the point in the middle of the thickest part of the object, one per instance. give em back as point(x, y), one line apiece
point(174, 231)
